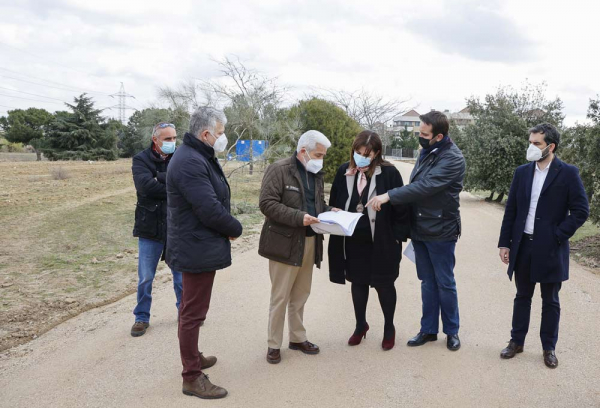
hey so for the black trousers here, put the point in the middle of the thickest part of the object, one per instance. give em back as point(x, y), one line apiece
point(522, 305)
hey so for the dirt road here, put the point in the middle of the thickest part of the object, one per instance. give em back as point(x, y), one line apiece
point(92, 361)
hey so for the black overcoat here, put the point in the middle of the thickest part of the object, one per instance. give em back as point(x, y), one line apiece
point(391, 229)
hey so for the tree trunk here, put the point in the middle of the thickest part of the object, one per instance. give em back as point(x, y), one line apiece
point(491, 197)
point(38, 153)
point(500, 197)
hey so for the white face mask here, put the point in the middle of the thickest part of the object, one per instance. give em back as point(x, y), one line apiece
point(534, 153)
point(220, 143)
point(313, 165)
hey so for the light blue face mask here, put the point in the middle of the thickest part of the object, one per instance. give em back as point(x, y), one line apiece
point(168, 147)
point(361, 161)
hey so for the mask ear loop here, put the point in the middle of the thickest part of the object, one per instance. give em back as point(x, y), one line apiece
point(547, 151)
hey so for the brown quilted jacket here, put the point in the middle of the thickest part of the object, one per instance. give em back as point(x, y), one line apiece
point(283, 203)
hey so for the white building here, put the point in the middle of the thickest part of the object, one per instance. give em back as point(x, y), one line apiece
point(461, 118)
point(409, 121)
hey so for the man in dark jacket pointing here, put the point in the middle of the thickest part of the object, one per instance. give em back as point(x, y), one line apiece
point(200, 228)
point(433, 194)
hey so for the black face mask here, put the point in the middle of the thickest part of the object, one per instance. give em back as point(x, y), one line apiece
point(424, 142)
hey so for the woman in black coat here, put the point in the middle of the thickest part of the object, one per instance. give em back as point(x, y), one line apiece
point(371, 256)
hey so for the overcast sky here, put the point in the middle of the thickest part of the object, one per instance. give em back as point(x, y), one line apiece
point(437, 53)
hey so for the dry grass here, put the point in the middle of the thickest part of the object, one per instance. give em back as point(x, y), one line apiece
point(67, 241)
point(59, 173)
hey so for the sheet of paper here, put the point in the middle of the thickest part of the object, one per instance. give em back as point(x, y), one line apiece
point(409, 252)
point(337, 223)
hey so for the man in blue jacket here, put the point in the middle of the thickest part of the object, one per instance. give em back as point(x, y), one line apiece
point(546, 205)
point(200, 228)
point(433, 195)
point(149, 176)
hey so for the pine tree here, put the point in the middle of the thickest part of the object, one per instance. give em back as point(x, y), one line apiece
point(81, 134)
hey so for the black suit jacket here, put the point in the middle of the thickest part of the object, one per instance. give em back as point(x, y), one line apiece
point(562, 208)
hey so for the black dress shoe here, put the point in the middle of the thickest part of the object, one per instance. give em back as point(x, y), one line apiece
point(511, 350)
point(453, 342)
point(421, 339)
point(550, 359)
point(306, 347)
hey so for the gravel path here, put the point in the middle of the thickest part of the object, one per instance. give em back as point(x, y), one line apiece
point(92, 361)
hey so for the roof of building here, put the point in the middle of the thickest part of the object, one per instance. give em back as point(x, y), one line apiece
point(411, 112)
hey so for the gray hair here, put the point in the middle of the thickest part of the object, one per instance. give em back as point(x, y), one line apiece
point(160, 126)
point(309, 141)
point(206, 118)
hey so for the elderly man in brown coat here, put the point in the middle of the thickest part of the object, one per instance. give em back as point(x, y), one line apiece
point(291, 198)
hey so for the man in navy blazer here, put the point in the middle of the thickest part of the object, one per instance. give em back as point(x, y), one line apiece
point(546, 205)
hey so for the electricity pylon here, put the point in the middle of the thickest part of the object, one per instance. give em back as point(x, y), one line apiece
point(122, 106)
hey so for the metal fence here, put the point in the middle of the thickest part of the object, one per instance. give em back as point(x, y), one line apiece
point(401, 153)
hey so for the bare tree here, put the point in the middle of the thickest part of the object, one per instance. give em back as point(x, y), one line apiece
point(250, 96)
point(188, 95)
point(251, 100)
point(370, 110)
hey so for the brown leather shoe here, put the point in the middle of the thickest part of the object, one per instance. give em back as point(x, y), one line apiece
point(273, 356)
point(207, 362)
point(139, 329)
point(550, 359)
point(201, 387)
point(306, 347)
point(511, 350)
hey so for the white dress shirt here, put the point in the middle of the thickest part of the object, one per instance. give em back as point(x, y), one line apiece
point(538, 182)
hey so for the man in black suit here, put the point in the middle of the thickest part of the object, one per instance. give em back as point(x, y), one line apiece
point(546, 205)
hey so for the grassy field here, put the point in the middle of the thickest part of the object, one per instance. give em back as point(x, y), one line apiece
point(17, 157)
point(67, 243)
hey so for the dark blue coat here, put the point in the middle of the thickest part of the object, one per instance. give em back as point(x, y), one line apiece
point(198, 216)
point(562, 208)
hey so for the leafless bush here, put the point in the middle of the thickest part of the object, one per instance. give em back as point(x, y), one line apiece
point(58, 173)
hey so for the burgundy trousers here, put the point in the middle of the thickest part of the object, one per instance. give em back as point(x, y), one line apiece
point(195, 300)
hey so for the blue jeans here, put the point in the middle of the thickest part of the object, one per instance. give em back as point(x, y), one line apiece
point(435, 269)
point(150, 252)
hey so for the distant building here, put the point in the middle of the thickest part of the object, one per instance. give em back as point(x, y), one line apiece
point(461, 118)
point(408, 121)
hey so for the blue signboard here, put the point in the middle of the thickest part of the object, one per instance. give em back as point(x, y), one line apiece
point(242, 149)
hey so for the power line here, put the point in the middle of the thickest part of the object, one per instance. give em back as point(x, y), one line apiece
point(44, 59)
point(62, 86)
point(6, 106)
point(30, 99)
point(28, 93)
point(36, 83)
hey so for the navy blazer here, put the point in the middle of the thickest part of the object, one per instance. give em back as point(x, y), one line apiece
point(562, 208)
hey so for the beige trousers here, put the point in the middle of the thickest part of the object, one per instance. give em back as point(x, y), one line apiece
point(290, 288)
